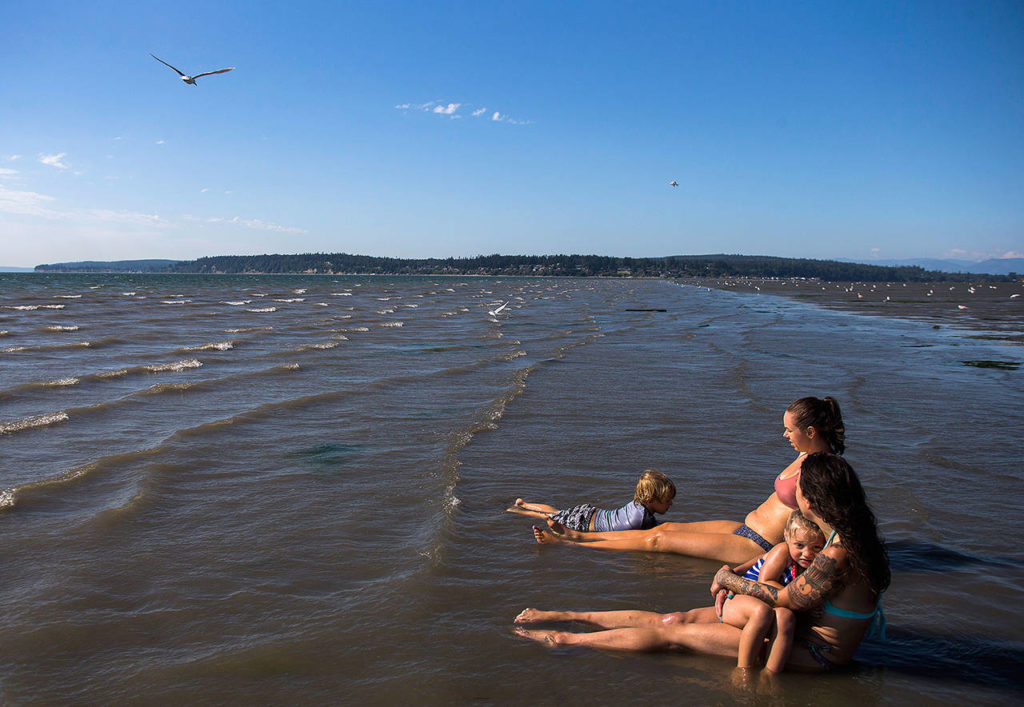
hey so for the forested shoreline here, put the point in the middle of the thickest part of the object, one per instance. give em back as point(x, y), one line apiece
point(755, 266)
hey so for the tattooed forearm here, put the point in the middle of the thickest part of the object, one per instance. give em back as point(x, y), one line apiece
point(817, 583)
point(739, 585)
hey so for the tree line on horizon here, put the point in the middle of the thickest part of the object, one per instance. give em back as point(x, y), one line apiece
point(681, 266)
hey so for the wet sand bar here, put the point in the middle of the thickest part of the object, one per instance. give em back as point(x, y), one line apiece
point(981, 305)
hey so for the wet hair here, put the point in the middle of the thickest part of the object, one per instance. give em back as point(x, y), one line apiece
point(653, 486)
point(824, 417)
point(798, 521)
point(833, 490)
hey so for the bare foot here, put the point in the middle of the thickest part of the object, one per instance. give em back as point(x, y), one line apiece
point(519, 502)
point(544, 537)
point(564, 533)
point(532, 616)
point(767, 683)
point(536, 635)
point(743, 679)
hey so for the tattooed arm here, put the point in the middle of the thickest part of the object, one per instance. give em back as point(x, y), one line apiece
point(817, 583)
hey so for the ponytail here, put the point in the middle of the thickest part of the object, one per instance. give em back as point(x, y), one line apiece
point(824, 416)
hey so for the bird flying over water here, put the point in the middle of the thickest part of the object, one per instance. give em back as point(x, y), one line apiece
point(191, 79)
point(494, 312)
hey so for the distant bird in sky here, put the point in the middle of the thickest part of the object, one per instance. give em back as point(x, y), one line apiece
point(191, 79)
point(673, 183)
point(494, 312)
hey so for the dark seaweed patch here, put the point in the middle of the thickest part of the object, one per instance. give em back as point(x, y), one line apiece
point(1004, 365)
point(328, 457)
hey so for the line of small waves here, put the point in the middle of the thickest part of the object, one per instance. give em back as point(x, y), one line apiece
point(29, 491)
point(226, 382)
point(488, 418)
point(73, 379)
point(92, 344)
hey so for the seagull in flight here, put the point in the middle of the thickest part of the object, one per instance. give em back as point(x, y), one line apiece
point(494, 312)
point(191, 79)
point(673, 183)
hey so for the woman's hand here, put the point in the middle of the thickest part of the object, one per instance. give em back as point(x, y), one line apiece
point(720, 602)
point(716, 585)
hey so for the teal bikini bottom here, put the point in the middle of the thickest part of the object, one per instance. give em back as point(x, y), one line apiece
point(877, 627)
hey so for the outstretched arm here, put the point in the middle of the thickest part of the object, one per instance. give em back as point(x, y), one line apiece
point(776, 561)
point(818, 582)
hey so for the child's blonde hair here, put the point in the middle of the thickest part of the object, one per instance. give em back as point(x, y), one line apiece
point(798, 521)
point(653, 486)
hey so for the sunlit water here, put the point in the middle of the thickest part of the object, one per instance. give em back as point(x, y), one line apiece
point(292, 489)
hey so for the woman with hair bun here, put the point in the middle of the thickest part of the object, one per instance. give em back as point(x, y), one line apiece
point(811, 425)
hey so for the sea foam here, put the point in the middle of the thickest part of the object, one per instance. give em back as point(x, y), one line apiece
point(28, 423)
point(174, 367)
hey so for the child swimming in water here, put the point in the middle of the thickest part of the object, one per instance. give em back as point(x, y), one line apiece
point(777, 567)
point(654, 494)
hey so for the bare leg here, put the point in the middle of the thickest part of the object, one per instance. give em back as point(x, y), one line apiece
point(543, 508)
point(544, 537)
point(623, 639)
point(704, 615)
point(701, 526)
point(568, 535)
point(711, 639)
point(524, 512)
point(755, 618)
point(604, 619)
point(781, 641)
point(712, 546)
point(724, 527)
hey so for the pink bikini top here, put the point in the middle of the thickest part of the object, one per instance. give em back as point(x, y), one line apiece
point(785, 489)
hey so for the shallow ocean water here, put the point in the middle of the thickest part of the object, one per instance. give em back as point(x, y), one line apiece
point(292, 488)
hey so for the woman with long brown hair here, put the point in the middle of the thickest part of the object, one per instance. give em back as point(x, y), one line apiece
point(845, 580)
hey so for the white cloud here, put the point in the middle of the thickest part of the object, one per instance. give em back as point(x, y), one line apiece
point(975, 255)
point(254, 223)
point(417, 106)
point(110, 216)
point(161, 142)
point(499, 118)
point(54, 160)
point(26, 203)
point(7, 172)
point(451, 110)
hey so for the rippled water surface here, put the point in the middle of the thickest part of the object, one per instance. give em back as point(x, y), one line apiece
point(292, 489)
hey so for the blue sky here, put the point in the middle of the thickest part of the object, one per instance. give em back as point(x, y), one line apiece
point(416, 129)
